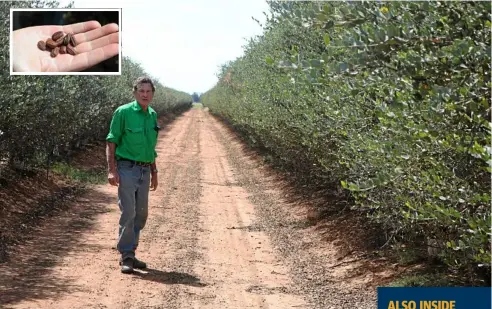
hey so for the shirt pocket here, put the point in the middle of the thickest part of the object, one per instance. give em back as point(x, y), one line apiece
point(136, 136)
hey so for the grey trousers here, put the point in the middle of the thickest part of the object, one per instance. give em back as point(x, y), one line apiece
point(133, 201)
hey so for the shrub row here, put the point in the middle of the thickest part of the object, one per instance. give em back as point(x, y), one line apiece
point(388, 100)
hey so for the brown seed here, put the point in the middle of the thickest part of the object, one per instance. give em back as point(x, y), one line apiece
point(42, 45)
point(50, 43)
point(68, 36)
point(55, 52)
point(66, 39)
point(72, 40)
point(71, 50)
point(59, 41)
point(57, 35)
point(63, 49)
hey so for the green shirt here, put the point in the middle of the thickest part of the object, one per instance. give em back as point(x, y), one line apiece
point(133, 131)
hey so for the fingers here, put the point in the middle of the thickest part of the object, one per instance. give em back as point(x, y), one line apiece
point(114, 179)
point(81, 27)
point(94, 45)
point(97, 33)
point(98, 43)
point(102, 53)
point(154, 186)
point(86, 60)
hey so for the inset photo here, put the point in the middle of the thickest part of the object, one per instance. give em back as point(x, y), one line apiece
point(65, 41)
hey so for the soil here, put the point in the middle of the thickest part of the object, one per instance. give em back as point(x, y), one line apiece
point(223, 232)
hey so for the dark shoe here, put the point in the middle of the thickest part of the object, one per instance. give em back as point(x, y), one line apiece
point(127, 266)
point(139, 264)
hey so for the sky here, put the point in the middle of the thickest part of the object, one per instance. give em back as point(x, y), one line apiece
point(183, 43)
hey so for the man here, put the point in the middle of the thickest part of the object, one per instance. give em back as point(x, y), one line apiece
point(131, 154)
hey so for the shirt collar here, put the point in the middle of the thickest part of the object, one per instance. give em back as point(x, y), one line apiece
point(137, 107)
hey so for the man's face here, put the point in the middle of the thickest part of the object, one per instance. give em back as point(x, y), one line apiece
point(144, 94)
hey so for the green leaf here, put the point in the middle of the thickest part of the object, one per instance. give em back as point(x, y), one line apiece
point(326, 37)
point(322, 17)
point(407, 203)
point(269, 60)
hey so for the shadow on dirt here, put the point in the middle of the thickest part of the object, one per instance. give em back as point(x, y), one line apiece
point(171, 277)
point(30, 272)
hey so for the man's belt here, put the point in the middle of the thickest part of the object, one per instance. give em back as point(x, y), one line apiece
point(136, 162)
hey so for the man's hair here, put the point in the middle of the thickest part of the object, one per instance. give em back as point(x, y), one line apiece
point(143, 80)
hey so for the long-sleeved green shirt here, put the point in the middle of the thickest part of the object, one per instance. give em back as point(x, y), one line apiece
point(133, 130)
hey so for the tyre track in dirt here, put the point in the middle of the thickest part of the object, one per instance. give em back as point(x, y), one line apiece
point(238, 259)
point(177, 221)
point(310, 260)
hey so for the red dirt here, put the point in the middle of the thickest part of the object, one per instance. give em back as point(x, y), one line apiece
point(197, 244)
point(195, 259)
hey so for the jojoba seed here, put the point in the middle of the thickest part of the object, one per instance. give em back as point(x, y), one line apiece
point(72, 40)
point(57, 35)
point(71, 50)
point(50, 43)
point(42, 45)
point(55, 52)
point(59, 41)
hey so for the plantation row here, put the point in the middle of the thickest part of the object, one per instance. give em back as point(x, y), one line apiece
point(45, 117)
point(389, 101)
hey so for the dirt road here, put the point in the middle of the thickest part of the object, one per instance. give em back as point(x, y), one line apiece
point(204, 242)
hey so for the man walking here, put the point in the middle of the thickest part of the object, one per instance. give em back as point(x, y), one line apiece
point(131, 154)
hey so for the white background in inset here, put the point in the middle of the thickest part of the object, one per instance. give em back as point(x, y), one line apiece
point(63, 3)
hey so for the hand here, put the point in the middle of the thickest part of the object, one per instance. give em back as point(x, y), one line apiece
point(154, 182)
point(114, 178)
point(94, 45)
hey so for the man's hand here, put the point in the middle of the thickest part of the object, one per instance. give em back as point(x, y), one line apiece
point(154, 182)
point(94, 45)
point(114, 178)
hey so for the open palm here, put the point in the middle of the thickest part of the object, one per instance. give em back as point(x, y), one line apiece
point(94, 45)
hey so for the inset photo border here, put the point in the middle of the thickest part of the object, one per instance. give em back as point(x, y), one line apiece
point(65, 41)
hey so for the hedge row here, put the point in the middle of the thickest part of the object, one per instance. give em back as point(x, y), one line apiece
point(42, 117)
point(388, 100)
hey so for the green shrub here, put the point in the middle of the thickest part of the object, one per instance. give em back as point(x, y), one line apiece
point(389, 99)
